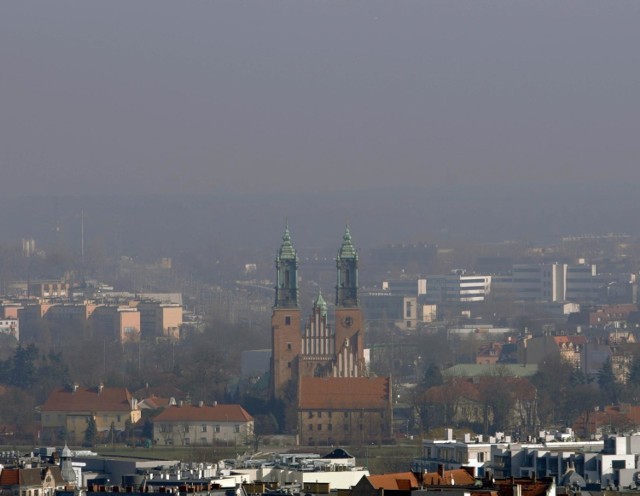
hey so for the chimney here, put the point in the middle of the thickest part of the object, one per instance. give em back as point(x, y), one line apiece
point(449, 434)
point(100, 387)
point(441, 470)
point(215, 403)
point(75, 386)
point(201, 404)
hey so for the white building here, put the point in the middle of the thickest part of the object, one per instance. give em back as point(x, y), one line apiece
point(10, 327)
point(555, 282)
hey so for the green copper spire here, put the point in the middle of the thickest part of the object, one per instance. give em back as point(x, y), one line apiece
point(347, 265)
point(287, 294)
point(347, 250)
point(287, 251)
point(320, 304)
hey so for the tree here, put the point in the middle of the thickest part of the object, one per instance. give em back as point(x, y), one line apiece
point(607, 382)
point(91, 434)
point(22, 368)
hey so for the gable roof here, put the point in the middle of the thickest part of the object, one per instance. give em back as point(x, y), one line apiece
point(318, 393)
point(205, 413)
point(154, 402)
point(109, 399)
point(404, 481)
point(455, 477)
point(29, 476)
point(575, 340)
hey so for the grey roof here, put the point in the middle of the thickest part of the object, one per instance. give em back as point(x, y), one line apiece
point(475, 370)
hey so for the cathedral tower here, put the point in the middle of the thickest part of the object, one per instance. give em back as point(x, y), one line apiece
point(285, 320)
point(349, 324)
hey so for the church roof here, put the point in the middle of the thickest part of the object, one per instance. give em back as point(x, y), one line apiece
point(321, 393)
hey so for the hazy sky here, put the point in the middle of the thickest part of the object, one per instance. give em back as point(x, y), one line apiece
point(156, 96)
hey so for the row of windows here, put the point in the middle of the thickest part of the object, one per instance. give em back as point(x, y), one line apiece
point(330, 414)
point(330, 427)
point(203, 428)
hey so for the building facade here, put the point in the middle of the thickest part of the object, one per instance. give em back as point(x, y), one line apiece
point(184, 425)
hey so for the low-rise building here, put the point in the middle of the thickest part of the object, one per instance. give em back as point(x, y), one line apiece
point(184, 425)
point(39, 481)
point(67, 412)
point(344, 410)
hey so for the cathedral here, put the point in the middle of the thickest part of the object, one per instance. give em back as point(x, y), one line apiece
point(320, 365)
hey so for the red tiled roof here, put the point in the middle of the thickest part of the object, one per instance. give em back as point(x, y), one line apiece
point(581, 340)
point(529, 487)
point(456, 477)
point(9, 476)
point(317, 393)
point(29, 476)
point(404, 481)
point(205, 413)
point(154, 402)
point(88, 400)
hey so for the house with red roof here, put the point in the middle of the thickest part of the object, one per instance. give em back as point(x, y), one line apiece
point(66, 413)
point(398, 484)
point(40, 481)
point(184, 425)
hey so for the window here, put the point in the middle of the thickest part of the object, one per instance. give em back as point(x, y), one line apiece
point(217, 428)
point(203, 428)
point(203, 440)
point(346, 414)
point(118, 418)
point(287, 320)
point(330, 427)
point(310, 427)
point(289, 364)
point(289, 346)
point(236, 428)
point(310, 415)
point(319, 414)
point(185, 428)
point(319, 427)
point(187, 441)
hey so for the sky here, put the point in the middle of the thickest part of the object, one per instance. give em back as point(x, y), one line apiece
point(156, 97)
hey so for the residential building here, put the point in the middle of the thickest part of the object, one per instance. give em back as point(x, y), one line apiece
point(159, 320)
point(39, 481)
point(119, 322)
point(67, 411)
point(570, 349)
point(10, 327)
point(184, 425)
point(398, 484)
